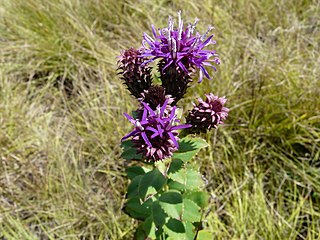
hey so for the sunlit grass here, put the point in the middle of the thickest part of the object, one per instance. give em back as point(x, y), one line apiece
point(61, 106)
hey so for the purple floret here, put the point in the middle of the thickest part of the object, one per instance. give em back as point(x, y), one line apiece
point(155, 135)
point(181, 47)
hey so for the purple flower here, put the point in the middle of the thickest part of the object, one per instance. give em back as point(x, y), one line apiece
point(136, 76)
point(155, 135)
point(181, 47)
point(207, 114)
point(155, 96)
point(174, 80)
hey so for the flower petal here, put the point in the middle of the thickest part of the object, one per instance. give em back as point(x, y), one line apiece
point(181, 127)
point(145, 138)
point(134, 132)
point(173, 138)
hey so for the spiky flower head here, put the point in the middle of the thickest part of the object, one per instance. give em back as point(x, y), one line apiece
point(207, 114)
point(155, 96)
point(181, 47)
point(174, 80)
point(155, 136)
point(136, 76)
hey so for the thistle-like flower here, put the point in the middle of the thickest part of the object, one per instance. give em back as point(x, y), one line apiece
point(155, 135)
point(174, 80)
point(207, 114)
point(136, 76)
point(155, 96)
point(181, 47)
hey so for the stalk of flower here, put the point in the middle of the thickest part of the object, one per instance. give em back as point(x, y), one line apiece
point(155, 136)
point(136, 76)
point(181, 47)
point(207, 114)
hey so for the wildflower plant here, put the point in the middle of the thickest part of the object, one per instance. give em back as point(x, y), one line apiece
point(166, 193)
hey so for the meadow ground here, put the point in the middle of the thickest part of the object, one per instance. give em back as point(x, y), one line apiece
point(62, 104)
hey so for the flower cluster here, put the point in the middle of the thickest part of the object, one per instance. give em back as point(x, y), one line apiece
point(155, 135)
point(156, 96)
point(136, 76)
point(207, 114)
point(181, 47)
point(181, 52)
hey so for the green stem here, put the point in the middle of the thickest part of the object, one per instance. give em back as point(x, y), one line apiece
point(198, 228)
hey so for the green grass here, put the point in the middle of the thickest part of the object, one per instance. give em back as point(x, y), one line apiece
point(62, 104)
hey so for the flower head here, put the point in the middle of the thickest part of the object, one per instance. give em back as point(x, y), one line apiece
point(136, 76)
point(174, 80)
point(155, 96)
point(207, 114)
point(155, 135)
point(181, 47)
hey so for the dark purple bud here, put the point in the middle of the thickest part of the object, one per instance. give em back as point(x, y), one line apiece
point(174, 80)
point(155, 96)
point(207, 114)
point(136, 76)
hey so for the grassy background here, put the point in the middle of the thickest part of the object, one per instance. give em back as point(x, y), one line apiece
point(62, 104)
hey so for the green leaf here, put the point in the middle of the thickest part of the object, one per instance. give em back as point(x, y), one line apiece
point(188, 148)
point(204, 235)
point(140, 233)
point(151, 183)
point(171, 197)
point(129, 152)
point(171, 203)
point(175, 226)
point(199, 197)
point(152, 227)
point(178, 230)
point(190, 178)
point(174, 185)
point(175, 166)
point(135, 209)
point(191, 143)
point(191, 211)
point(134, 171)
point(190, 230)
point(175, 229)
point(133, 187)
point(162, 166)
point(149, 228)
point(193, 179)
point(158, 215)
